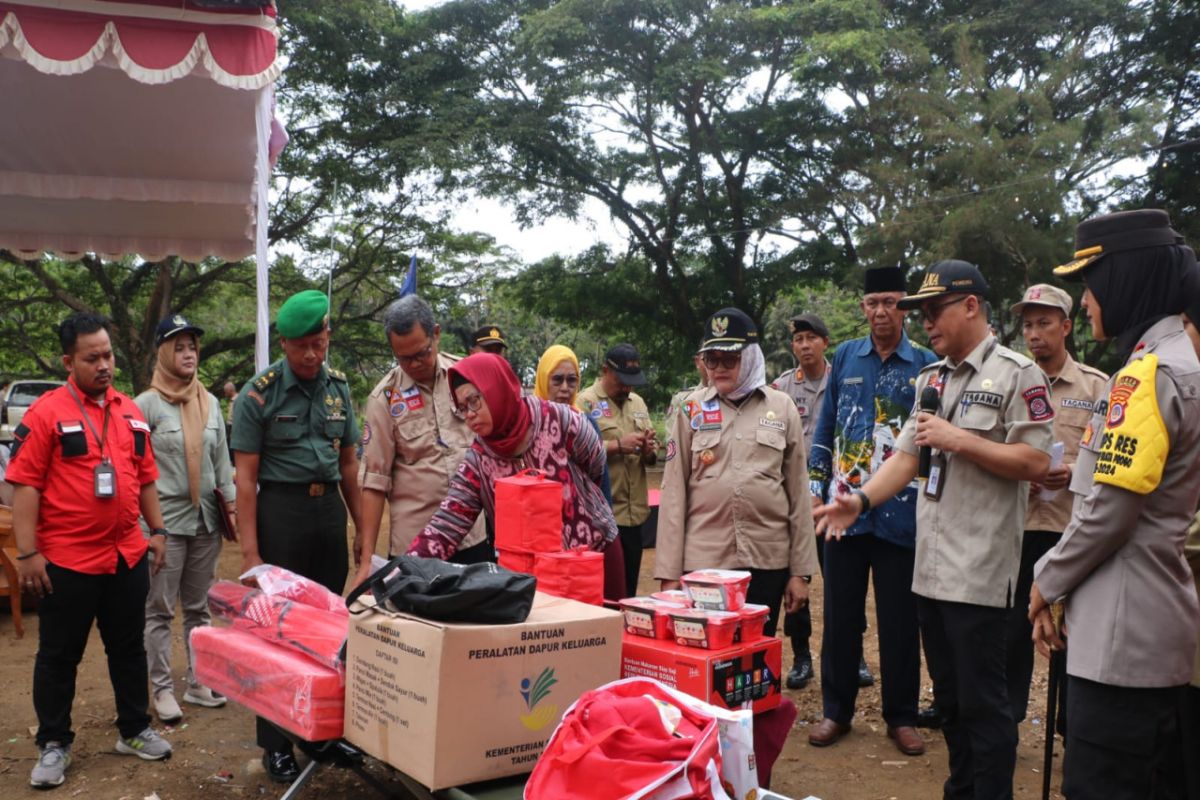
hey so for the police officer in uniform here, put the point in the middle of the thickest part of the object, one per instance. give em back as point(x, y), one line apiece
point(735, 489)
point(629, 442)
point(294, 438)
point(989, 438)
point(413, 440)
point(488, 339)
point(1131, 606)
point(1045, 314)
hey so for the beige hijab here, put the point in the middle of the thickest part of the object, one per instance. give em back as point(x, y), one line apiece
point(189, 395)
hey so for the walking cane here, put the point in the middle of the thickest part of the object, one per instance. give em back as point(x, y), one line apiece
point(1056, 656)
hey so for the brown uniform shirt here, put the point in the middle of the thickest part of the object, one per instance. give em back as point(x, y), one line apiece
point(626, 471)
point(807, 395)
point(412, 445)
point(1073, 394)
point(1131, 602)
point(969, 541)
point(735, 488)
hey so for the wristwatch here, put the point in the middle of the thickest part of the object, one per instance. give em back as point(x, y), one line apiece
point(160, 532)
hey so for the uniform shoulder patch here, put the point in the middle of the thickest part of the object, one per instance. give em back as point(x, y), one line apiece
point(1134, 447)
point(337, 374)
point(1024, 362)
point(1037, 403)
point(267, 378)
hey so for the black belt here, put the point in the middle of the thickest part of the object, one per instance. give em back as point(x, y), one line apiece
point(316, 489)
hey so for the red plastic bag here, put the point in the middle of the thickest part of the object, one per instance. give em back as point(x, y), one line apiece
point(529, 513)
point(636, 740)
point(313, 632)
point(577, 574)
point(280, 582)
point(285, 687)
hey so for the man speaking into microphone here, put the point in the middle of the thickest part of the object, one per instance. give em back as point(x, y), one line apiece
point(990, 437)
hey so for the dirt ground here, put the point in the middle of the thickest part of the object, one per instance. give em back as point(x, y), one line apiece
point(208, 742)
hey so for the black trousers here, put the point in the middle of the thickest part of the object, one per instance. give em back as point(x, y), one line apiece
point(1124, 743)
point(117, 603)
point(308, 536)
point(965, 654)
point(1191, 740)
point(849, 563)
point(631, 546)
point(1034, 545)
point(767, 587)
point(797, 626)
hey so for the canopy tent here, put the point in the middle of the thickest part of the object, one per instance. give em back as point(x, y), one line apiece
point(139, 127)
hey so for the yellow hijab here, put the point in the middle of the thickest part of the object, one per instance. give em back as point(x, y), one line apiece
point(554, 355)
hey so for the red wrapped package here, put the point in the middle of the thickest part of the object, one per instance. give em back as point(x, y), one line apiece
point(290, 690)
point(315, 633)
point(280, 582)
point(576, 574)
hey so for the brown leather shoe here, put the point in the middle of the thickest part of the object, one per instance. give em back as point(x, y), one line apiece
point(907, 740)
point(827, 732)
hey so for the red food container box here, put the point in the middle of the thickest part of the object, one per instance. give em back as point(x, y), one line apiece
point(744, 674)
point(717, 589)
point(677, 596)
point(645, 616)
point(752, 620)
point(516, 560)
point(712, 630)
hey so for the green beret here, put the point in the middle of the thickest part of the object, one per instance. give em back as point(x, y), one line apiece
point(303, 314)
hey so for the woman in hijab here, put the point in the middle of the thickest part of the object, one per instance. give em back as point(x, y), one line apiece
point(1120, 569)
point(558, 381)
point(188, 437)
point(735, 490)
point(513, 433)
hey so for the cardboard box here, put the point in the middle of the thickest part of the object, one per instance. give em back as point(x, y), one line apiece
point(729, 677)
point(451, 703)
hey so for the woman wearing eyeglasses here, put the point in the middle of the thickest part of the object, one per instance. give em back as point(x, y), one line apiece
point(513, 433)
point(558, 381)
point(735, 490)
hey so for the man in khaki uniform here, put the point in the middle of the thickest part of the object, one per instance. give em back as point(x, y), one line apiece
point(1045, 314)
point(989, 438)
point(629, 441)
point(806, 383)
point(1131, 604)
point(412, 439)
point(677, 399)
point(735, 490)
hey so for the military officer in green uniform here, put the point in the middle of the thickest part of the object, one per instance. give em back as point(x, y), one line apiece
point(294, 439)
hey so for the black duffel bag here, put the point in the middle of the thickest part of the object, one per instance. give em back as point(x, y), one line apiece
point(484, 594)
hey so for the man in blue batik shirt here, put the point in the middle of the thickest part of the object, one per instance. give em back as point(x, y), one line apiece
point(871, 393)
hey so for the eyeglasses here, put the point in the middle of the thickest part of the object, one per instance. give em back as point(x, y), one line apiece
point(873, 303)
point(569, 380)
point(417, 357)
point(714, 359)
point(934, 311)
point(473, 404)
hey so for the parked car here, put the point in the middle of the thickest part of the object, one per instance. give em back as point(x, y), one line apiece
point(16, 398)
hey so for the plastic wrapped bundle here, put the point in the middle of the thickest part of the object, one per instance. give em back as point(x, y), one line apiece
point(285, 687)
point(279, 582)
point(312, 632)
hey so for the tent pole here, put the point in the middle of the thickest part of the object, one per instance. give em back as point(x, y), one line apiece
point(262, 186)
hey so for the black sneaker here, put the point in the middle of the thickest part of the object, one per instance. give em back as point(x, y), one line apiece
point(865, 678)
point(801, 672)
point(929, 717)
point(281, 766)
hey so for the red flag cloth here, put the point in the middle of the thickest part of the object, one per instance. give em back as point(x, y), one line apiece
point(290, 690)
point(577, 574)
point(634, 740)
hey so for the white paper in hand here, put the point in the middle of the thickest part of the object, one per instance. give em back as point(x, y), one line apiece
point(1056, 457)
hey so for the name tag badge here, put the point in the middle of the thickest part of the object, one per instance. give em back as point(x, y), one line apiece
point(937, 478)
point(105, 480)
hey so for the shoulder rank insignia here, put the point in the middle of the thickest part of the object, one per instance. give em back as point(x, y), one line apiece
point(266, 379)
point(337, 374)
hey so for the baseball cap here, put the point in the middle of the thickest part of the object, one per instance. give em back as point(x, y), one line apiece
point(1043, 294)
point(946, 277)
point(729, 330)
point(488, 334)
point(1113, 233)
point(809, 322)
point(173, 326)
point(624, 360)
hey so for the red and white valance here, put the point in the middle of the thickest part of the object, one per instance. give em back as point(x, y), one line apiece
point(151, 41)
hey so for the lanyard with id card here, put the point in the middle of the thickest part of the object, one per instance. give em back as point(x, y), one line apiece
point(104, 476)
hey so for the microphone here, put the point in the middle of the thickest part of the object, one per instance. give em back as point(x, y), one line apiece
point(930, 401)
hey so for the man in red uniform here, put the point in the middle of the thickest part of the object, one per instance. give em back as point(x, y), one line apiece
point(83, 471)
